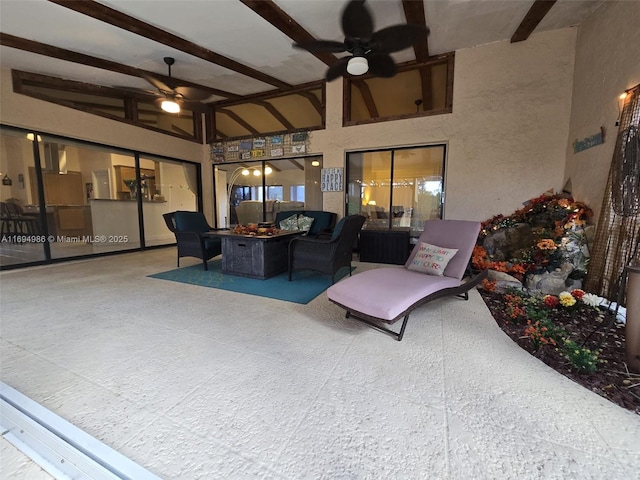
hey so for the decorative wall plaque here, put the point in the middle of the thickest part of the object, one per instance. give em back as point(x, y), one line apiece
point(280, 145)
point(331, 180)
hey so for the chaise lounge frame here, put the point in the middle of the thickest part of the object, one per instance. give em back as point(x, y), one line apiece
point(457, 280)
point(461, 291)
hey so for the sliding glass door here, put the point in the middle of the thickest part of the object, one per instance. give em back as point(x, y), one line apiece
point(63, 198)
point(397, 188)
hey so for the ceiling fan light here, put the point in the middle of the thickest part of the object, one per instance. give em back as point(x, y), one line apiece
point(358, 66)
point(170, 106)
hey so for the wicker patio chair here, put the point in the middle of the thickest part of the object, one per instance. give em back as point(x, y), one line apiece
point(326, 255)
point(189, 227)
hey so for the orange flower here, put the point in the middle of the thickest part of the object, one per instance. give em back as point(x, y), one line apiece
point(489, 285)
point(546, 244)
point(498, 266)
point(518, 268)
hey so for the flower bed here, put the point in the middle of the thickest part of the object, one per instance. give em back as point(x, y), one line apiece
point(571, 334)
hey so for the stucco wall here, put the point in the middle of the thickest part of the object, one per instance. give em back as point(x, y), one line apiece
point(507, 134)
point(26, 112)
point(607, 63)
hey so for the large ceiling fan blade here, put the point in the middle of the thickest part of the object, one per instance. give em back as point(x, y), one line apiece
point(155, 82)
point(381, 65)
point(195, 106)
point(138, 91)
point(397, 37)
point(338, 69)
point(191, 93)
point(322, 46)
point(357, 21)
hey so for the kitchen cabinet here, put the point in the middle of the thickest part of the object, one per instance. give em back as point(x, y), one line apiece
point(124, 172)
point(59, 188)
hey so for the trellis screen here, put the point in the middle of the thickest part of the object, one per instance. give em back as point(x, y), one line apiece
point(618, 234)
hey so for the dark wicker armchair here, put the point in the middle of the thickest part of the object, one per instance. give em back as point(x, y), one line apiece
point(326, 256)
point(188, 227)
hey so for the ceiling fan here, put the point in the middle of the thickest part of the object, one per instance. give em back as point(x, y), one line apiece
point(369, 50)
point(172, 96)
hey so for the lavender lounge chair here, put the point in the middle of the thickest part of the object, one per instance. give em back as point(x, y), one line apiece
point(385, 295)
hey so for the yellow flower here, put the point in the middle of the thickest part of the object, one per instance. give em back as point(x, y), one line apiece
point(566, 299)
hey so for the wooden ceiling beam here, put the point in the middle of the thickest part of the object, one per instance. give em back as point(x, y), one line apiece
point(277, 114)
point(367, 97)
point(277, 17)
point(118, 19)
point(532, 19)
point(314, 101)
point(414, 13)
point(234, 116)
point(175, 128)
point(303, 87)
point(297, 164)
point(83, 59)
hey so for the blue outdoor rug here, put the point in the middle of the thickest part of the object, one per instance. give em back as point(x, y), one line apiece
point(305, 286)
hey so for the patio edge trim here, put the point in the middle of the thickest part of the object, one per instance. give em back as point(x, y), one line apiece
point(59, 447)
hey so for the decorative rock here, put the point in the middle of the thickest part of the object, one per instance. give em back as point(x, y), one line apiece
point(551, 283)
point(504, 281)
point(502, 244)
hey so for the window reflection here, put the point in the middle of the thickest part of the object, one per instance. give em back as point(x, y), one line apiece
point(88, 203)
point(399, 188)
point(254, 192)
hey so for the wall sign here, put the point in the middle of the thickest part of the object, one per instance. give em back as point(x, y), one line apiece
point(331, 180)
point(592, 141)
point(265, 147)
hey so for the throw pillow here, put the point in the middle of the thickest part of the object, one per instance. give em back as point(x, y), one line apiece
point(289, 223)
point(304, 223)
point(431, 259)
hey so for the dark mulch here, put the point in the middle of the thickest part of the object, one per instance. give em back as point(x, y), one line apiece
point(612, 380)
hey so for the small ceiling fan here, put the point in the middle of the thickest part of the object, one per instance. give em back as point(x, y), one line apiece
point(369, 50)
point(172, 96)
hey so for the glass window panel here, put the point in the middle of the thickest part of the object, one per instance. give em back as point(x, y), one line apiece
point(108, 102)
point(89, 207)
point(166, 186)
point(291, 184)
point(21, 228)
point(289, 112)
point(398, 188)
point(419, 91)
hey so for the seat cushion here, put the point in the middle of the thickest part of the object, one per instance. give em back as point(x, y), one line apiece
point(387, 292)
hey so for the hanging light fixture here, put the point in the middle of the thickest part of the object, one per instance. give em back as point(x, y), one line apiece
point(170, 106)
point(267, 170)
point(358, 66)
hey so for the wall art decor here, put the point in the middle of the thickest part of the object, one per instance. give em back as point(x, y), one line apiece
point(331, 179)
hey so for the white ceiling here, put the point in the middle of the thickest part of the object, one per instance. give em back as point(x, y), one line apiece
point(230, 28)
